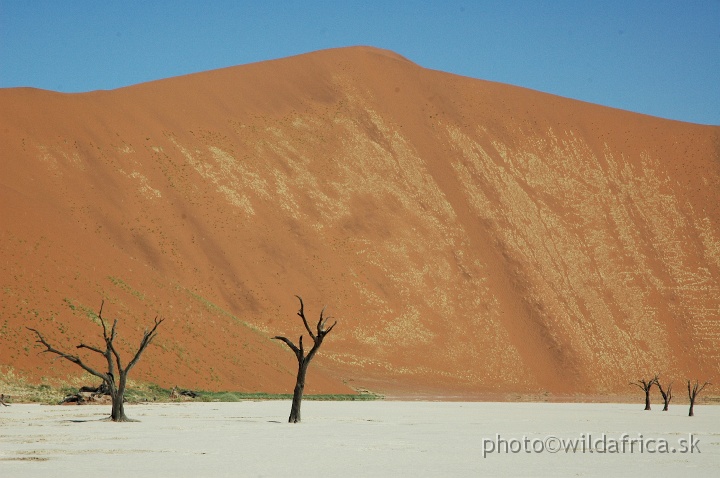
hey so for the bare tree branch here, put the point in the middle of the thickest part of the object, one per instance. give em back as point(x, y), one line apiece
point(301, 313)
point(72, 358)
point(111, 347)
point(90, 347)
point(298, 353)
point(148, 337)
point(325, 332)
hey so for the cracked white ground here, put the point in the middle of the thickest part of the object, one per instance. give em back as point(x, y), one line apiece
point(378, 438)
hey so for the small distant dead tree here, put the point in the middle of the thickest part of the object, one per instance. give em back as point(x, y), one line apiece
point(666, 393)
point(693, 391)
point(116, 389)
point(2, 400)
point(304, 360)
point(645, 386)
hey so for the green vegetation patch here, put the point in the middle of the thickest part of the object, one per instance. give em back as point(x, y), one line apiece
point(19, 390)
point(122, 285)
point(82, 308)
point(154, 393)
point(240, 396)
point(211, 307)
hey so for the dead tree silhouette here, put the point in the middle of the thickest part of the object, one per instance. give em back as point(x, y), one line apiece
point(693, 391)
point(115, 386)
point(666, 393)
point(645, 386)
point(304, 360)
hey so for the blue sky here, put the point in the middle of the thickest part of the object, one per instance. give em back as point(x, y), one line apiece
point(655, 57)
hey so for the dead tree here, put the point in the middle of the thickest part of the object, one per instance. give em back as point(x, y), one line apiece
point(693, 391)
point(2, 400)
point(114, 386)
point(645, 386)
point(666, 394)
point(304, 360)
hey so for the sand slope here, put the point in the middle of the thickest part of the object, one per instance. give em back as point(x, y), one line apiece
point(468, 235)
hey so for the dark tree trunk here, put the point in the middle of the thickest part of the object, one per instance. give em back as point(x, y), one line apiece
point(118, 401)
point(118, 408)
point(692, 405)
point(647, 399)
point(298, 393)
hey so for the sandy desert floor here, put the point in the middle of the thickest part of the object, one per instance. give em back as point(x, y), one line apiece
point(380, 438)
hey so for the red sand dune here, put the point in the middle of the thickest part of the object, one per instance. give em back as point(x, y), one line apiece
point(469, 237)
